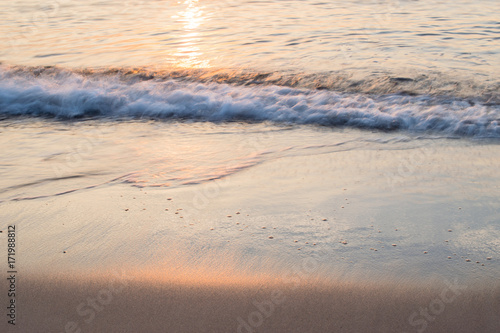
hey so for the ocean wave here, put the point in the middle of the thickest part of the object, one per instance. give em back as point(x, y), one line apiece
point(74, 94)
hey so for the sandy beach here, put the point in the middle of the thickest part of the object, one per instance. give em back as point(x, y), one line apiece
point(287, 235)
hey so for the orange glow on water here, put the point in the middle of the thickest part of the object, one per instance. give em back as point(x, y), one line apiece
point(188, 53)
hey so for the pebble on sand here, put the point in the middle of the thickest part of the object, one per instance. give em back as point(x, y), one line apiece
point(64, 251)
point(449, 230)
point(169, 198)
point(394, 245)
point(271, 237)
point(229, 216)
point(449, 257)
point(263, 227)
point(488, 258)
point(126, 209)
point(468, 260)
point(295, 241)
point(325, 219)
point(425, 252)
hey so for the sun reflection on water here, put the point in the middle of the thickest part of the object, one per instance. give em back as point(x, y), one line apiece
point(188, 53)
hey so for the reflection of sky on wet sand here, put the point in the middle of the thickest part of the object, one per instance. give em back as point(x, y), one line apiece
point(286, 180)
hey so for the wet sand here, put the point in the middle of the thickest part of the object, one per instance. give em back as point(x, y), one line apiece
point(372, 237)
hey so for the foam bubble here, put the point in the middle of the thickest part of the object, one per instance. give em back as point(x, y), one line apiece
point(69, 95)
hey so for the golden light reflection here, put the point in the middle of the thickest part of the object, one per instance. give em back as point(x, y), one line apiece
point(189, 54)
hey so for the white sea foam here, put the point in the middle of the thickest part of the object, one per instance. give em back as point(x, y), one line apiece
point(69, 95)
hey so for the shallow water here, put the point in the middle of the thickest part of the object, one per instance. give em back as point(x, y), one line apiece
point(312, 35)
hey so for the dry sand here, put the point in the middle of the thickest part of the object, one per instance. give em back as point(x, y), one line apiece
point(125, 302)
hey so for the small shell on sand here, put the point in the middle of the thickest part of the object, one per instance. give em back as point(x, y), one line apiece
point(211, 228)
point(314, 243)
point(488, 258)
point(449, 257)
point(449, 230)
point(342, 207)
point(237, 212)
point(271, 237)
point(64, 251)
point(468, 260)
point(394, 245)
point(344, 242)
point(237, 223)
point(126, 209)
point(229, 216)
point(295, 241)
point(169, 198)
point(425, 252)
point(325, 219)
point(263, 227)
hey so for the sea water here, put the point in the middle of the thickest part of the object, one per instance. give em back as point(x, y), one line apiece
point(172, 94)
